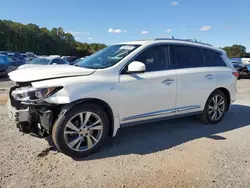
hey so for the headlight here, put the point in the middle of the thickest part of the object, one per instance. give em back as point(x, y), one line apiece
point(33, 94)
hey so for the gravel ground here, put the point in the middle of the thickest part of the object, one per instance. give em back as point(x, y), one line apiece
point(175, 153)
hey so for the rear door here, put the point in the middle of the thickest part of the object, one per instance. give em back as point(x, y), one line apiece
point(195, 81)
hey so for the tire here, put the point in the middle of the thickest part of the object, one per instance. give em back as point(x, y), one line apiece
point(69, 130)
point(207, 115)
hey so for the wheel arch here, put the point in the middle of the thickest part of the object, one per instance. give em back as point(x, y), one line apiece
point(227, 94)
point(104, 105)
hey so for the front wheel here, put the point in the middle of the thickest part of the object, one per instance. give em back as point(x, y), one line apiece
point(215, 108)
point(81, 131)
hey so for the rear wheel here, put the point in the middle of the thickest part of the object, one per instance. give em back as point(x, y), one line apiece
point(215, 108)
point(81, 131)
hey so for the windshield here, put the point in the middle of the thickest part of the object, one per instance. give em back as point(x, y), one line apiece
point(39, 61)
point(107, 57)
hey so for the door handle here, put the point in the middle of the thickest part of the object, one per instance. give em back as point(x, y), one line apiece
point(209, 76)
point(168, 81)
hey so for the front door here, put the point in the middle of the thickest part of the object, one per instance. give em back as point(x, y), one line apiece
point(151, 94)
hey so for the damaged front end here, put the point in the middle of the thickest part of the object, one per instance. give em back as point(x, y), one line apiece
point(27, 107)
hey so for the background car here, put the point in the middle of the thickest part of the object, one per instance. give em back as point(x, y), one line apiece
point(27, 59)
point(237, 67)
point(14, 63)
point(3, 65)
point(244, 72)
point(45, 60)
point(16, 60)
point(70, 59)
point(237, 63)
point(16, 55)
point(31, 55)
point(78, 60)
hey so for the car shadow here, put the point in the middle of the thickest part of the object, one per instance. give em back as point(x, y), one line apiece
point(155, 137)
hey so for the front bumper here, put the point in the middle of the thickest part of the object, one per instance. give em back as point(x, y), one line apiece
point(18, 116)
point(30, 119)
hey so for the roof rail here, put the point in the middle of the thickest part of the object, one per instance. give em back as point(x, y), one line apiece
point(184, 40)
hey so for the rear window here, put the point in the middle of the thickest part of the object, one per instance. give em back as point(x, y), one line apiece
point(213, 58)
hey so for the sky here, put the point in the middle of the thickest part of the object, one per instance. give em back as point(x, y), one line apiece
point(218, 22)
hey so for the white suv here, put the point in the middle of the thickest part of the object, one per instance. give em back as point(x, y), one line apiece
point(123, 84)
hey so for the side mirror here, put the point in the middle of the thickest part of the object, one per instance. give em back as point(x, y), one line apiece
point(136, 67)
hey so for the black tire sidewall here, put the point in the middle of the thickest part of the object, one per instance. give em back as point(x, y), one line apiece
point(208, 119)
point(59, 126)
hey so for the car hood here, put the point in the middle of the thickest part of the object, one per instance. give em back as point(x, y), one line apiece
point(42, 72)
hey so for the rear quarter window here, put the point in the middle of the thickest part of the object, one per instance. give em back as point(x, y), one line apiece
point(213, 58)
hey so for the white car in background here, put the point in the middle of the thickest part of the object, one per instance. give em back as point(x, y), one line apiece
point(45, 60)
point(123, 84)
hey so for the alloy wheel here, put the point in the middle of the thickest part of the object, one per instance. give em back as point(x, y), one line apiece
point(216, 107)
point(83, 131)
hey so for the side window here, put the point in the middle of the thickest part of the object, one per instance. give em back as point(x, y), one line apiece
point(213, 58)
point(155, 58)
point(188, 57)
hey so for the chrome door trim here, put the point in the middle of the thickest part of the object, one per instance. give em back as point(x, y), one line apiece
point(161, 112)
point(149, 114)
point(181, 109)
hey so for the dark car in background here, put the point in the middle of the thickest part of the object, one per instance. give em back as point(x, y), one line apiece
point(16, 59)
point(244, 72)
point(13, 61)
point(237, 67)
point(8, 64)
point(4, 65)
point(17, 55)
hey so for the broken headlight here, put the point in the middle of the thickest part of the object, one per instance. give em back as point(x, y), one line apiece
point(33, 94)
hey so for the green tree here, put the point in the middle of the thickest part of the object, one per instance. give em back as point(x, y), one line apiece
point(235, 51)
point(15, 36)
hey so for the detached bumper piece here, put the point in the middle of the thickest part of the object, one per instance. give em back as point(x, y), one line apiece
point(18, 115)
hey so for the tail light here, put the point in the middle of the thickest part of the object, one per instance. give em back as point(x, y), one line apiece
point(236, 74)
